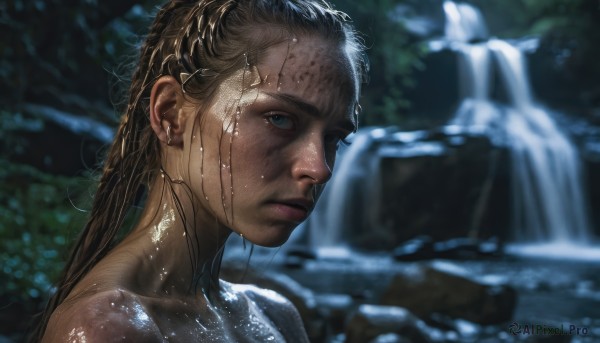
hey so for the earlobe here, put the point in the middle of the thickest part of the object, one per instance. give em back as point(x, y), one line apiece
point(166, 102)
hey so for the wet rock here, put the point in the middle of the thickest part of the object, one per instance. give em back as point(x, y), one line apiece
point(335, 308)
point(463, 248)
point(419, 248)
point(454, 194)
point(57, 142)
point(433, 289)
point(295, 257)
point(446, 182)
point(423, 248)
point(390, 338)
point(372, 323)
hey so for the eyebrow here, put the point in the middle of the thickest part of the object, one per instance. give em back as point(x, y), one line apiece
point(309, 109)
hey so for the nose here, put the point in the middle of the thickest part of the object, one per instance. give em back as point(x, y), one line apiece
point(312, 164)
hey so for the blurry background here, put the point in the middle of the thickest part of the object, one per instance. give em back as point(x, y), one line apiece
point(445, 138)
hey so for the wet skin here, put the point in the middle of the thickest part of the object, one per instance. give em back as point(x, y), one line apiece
point(284, 141)
point(254, 161)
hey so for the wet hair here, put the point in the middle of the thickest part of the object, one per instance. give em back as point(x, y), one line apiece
point(199, 43)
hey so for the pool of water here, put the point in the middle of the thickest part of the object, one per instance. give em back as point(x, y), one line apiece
point(560, 289)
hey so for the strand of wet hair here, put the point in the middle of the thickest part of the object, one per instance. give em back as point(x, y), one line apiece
point(111, 197)
point(133, 159)
point(193, 250)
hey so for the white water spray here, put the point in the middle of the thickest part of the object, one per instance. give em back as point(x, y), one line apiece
point(548, 201)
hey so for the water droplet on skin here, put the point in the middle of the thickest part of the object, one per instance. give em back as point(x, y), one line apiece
point(112, 304)
point(357, 109)
point(262, 176)
point(201, 149)
point(294, 40)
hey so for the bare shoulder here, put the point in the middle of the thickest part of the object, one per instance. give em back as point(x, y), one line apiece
point(108, 316)
point(277, 308)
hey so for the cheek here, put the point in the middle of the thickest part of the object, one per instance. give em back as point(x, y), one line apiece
point(255, 158)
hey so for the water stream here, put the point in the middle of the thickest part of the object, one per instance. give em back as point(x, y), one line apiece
point(548, 202)
point(548, 199)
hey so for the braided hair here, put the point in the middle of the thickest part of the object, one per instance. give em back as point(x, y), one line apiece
point(199, 43)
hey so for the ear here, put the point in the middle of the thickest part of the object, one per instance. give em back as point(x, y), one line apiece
point(166, 111)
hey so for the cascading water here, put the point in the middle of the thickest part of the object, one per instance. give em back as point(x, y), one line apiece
point(548, 202)
point(348, 201)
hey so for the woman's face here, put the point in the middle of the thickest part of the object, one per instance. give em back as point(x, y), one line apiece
point(261, 152)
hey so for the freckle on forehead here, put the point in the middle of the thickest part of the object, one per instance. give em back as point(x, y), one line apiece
point(311, 70)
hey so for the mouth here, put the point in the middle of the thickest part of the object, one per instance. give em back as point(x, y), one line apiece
point(303, 204)
point(294, 210)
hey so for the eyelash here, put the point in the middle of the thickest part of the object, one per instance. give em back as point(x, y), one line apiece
point(269, 116)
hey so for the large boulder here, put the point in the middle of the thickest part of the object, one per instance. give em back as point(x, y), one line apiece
point(455, 194)
point(446, 183)
point(370, 322)
point(433, 289)
point(55, 141)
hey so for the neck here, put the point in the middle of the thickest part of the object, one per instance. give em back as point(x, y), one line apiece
point(183, 245)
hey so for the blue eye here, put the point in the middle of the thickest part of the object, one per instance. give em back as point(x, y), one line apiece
point(281, 121)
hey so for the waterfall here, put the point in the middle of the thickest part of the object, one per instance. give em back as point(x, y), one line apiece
point(548, 201)
point(351, 199)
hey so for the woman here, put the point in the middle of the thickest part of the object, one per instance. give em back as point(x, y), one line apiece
point(234, 116)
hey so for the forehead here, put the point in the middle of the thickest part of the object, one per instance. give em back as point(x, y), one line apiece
point(310, 68)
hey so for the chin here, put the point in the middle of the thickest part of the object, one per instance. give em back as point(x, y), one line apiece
point(272, 238)
point(272, 242)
